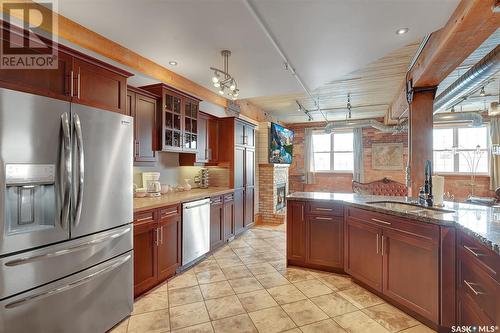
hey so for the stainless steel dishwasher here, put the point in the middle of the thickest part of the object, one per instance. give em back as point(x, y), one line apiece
point(195, 230)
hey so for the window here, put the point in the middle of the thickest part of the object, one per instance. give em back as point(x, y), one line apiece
point(456, 149)
point(333, 152)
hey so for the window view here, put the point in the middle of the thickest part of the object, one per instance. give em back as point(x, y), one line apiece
point(333, 152)
point(461, 149)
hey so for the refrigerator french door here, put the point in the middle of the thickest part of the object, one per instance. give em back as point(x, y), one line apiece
point(65, 208)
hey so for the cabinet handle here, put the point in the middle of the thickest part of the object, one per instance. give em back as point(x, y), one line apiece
point(324, 209)
point(470, 285)
point(472, 251)
point(382, 249)
point(71, 84)
point(161, 235)
point(136, 153)
point(381, 221)
point(323, 218)
point(144, 219)
point(78, 83)
point(377, 243)
point(157, 236)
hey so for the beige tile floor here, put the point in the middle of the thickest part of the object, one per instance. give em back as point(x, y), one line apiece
point(246, 287)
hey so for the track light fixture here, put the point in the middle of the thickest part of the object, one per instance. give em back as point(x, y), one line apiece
point(482, 93)
point(223, 80)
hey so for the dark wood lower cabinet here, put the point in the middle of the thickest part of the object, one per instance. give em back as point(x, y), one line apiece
point(362, 252)
point(229, 216)
point(145, 252)
point(325, 241)
point(239, 211)
point(157, 246)
point(216, 222)
point(295, 233)
point(249, 206)
point(169, 246)
point(411, 271)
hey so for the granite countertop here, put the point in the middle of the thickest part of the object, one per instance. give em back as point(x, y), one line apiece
point(141, 204)
point(481, 222)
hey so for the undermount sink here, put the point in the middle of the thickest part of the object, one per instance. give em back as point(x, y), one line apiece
point(407, 206)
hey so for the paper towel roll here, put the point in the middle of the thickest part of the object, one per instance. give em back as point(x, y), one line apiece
point(438, 190)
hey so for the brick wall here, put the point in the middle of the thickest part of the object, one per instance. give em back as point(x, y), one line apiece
point(341, 182)
point(270, 175)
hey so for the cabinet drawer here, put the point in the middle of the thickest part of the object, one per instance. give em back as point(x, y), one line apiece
point(483, 257)
point(216, 200)
point(475, 284)
point(325, 208)
point(169, 211)
point(144, 217)
point(405, 225)
point(228, 197)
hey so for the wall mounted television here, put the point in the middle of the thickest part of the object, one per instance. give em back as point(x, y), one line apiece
point(280, 144)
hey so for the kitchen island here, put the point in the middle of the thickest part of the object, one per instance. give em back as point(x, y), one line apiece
point(440, 265)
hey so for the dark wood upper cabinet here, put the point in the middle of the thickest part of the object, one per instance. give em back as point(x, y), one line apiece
point(249, 167)
point(142, 105)
point(177, 120)
point(244, 134)
point(216, 222)
point(363, 259)
point(239, 167)
point(78, 78)
point(99, 87)
point(213, 140)
point(202, 153)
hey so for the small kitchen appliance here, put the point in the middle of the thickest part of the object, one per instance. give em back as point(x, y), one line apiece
point(151, 182)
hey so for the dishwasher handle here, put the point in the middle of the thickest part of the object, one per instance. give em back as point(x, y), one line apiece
point(195, 204)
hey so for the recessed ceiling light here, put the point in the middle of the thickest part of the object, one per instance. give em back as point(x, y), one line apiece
point(401, 31)
point(173, 63)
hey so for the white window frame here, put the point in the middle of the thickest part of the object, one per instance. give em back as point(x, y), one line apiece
point(456, 157)
point(332, 152)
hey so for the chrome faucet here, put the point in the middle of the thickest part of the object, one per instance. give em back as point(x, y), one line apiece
point(428, 184)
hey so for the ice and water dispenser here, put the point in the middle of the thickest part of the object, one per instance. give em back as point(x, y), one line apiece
point(30, 200)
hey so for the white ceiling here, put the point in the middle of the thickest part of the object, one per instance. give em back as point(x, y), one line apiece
point(323, 39)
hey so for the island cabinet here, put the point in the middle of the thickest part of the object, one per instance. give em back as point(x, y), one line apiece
point(157, 246)
point(76, 78)
point(397, 257)
point(315, 235)
point(142, 106)
point(478, 283)
point(229, 216)
point(177, 121)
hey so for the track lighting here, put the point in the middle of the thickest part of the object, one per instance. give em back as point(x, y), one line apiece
point(482, 93)
point(222, 79)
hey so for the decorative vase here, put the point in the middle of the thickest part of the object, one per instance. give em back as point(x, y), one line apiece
point(187, 186)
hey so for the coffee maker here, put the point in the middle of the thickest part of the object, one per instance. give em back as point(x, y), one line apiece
point(151, 182)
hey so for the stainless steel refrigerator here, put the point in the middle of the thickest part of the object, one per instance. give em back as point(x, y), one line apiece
point(66, 237)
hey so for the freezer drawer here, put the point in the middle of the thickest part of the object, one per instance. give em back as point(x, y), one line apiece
point(31, 269)
point(90, 301)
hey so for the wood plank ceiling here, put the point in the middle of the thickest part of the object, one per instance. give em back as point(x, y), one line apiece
point(372, 89)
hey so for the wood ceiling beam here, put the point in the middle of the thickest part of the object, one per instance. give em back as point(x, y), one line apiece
point(472, 22)
point(88, 39)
